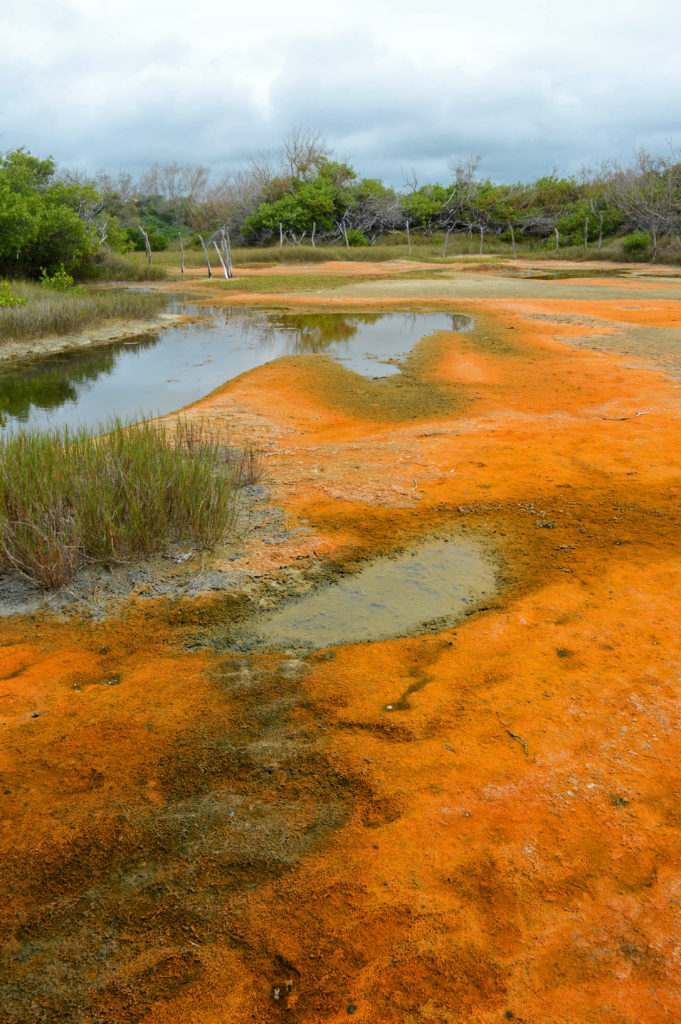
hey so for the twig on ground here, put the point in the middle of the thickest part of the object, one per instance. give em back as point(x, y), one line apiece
point(620, 419)
point(515, 736)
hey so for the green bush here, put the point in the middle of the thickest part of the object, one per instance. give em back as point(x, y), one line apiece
point(636, 243)
point(40, 221)
point(356, 236)
point(8, 299)
point(157, 240)
point(59, 281)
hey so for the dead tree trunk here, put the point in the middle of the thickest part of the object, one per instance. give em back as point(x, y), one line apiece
point(408, 238)
point(314, 228)
point(586, 234)
point(226, 251)
point(482, 233)
point(281, 235)
point(600, 232)
point(205, 252)
point(345, 236)
point(146, 243)
point(444, 247)
point(510, 228)
point(556, 231)
point(222, 262)
point(182, 251)
point(654, 232)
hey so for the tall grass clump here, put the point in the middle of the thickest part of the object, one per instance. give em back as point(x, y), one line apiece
point(244, 461)
point(111, 266)
point(68, 498)
point(46, 310)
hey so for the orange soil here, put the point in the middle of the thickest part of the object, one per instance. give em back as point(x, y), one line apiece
point(506, 846)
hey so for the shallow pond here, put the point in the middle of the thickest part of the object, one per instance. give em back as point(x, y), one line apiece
point(390, 597)
point(159, 373)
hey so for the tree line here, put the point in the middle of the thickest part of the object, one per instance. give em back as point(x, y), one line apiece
point(304, 194)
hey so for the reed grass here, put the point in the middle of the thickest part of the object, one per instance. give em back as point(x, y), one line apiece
point(114, 267)
point(68, 499)
point(52, 312)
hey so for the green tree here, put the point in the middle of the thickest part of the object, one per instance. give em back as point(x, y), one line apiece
point(44, 223)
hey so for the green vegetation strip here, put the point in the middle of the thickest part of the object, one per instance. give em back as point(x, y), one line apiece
point(42, 310)
point(270, 283)
point(68, 499)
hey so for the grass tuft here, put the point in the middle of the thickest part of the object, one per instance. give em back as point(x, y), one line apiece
point(244, 462)
point(68, 498)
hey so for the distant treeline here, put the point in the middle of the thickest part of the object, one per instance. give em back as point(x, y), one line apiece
point(51, 217)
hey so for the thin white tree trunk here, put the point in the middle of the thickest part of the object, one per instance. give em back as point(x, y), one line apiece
point(146, 243)
point(408, 238)
point(222, 262)
point(510, 227)
point(556, 231)
point(444, 247)
point(314, 228)
point(654, 243)
point(586, 234)
point(482, 232)
point(281, 235)
point(226, 251)
point(205, 252)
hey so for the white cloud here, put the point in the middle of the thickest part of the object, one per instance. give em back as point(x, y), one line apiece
point(529, 86)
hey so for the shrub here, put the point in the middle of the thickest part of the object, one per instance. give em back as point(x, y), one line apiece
point(59, 281)
point(356, 237)
point(158, 242)
point(68, 498)
point(636, 243)
point(8, 299)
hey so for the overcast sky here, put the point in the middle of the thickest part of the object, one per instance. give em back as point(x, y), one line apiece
point(529, 85)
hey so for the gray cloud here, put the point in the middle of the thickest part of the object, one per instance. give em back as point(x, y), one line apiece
point(530, 89)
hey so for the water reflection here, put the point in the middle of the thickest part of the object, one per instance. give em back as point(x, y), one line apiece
point(50, 383)
point(159, 373)
point(305, 332)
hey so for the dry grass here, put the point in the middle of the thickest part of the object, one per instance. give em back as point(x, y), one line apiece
point(53, 312)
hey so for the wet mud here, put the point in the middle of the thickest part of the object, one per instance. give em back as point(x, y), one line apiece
point(479, 822)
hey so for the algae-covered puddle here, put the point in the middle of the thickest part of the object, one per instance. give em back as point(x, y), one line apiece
point(160, 373)
point(391, 597)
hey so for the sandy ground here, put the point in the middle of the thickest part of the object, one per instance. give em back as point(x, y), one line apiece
point(195, 833)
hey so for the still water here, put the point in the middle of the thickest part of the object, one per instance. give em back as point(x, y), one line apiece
point(159, 373)
point(389, 597)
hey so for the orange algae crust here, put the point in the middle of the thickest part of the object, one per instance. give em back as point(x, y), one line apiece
point(476, 824)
